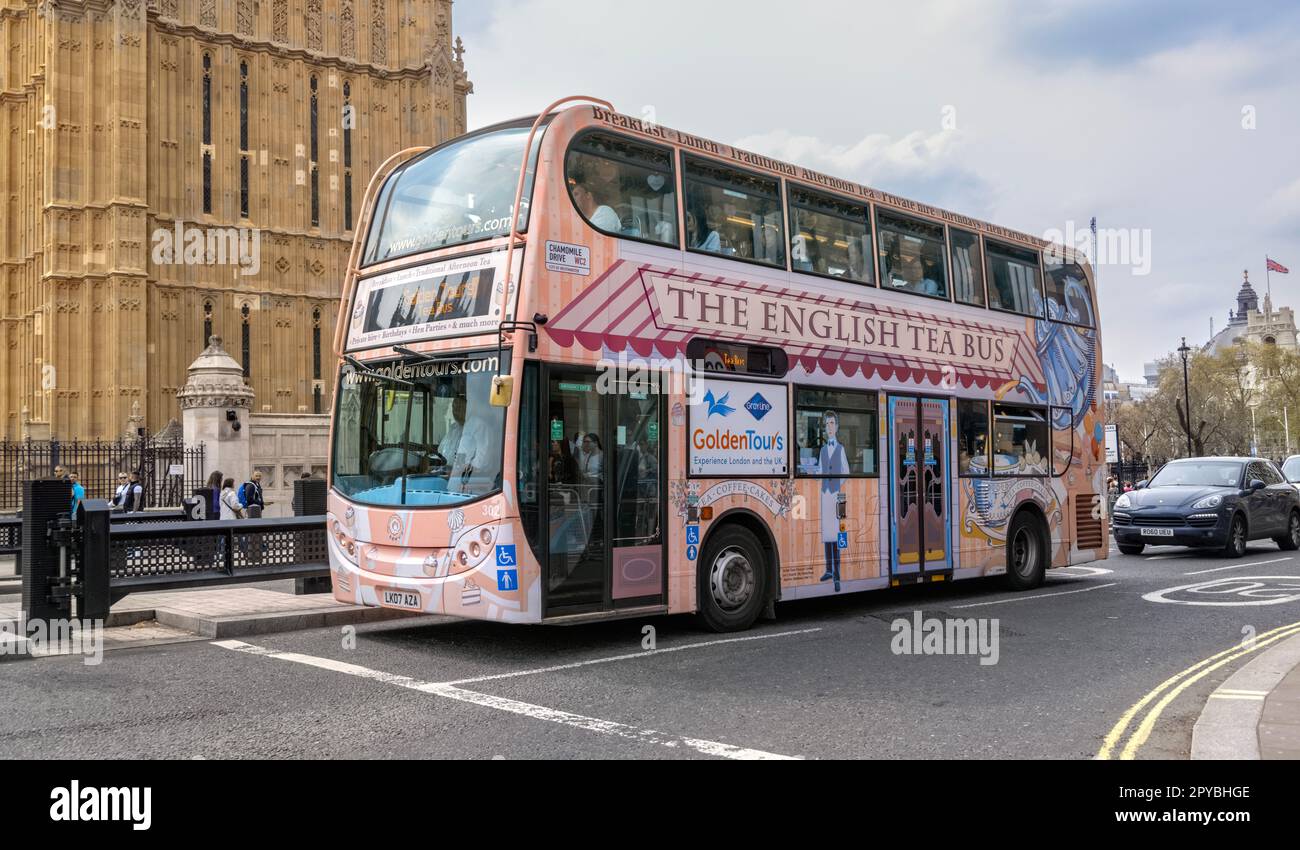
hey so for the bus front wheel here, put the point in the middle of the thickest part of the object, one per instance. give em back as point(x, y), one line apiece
point(732, 580)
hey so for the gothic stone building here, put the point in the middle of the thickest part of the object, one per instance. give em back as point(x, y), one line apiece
point(125, 122)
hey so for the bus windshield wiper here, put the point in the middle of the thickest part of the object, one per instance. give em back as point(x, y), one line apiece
point(406, 352)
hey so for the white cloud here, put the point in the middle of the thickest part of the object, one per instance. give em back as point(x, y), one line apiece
point(915, 153)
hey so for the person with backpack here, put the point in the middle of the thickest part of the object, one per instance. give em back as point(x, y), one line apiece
point(250, 494)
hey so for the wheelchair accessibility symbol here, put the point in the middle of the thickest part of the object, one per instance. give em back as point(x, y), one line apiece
point(692, 535)
point(506, 555)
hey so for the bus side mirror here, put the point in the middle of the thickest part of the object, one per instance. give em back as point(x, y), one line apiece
point(502, 387)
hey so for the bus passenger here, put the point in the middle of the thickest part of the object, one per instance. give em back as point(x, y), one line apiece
point(593, 459)
point(699, 234)
point(591, 201)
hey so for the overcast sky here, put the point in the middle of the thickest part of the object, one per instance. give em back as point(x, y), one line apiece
point(1057, 111)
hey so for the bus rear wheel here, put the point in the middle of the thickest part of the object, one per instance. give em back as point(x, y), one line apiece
point(1026, 552)
point(732, 580)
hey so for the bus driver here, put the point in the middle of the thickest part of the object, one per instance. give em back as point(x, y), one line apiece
point(467, 445)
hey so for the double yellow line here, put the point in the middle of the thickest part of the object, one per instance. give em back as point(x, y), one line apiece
point(1168, 690)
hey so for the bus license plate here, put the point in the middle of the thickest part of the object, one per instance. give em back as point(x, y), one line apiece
point(402, 599)
point(1157, 532)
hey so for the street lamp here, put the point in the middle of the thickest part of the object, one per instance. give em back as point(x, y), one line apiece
point(1185, 350)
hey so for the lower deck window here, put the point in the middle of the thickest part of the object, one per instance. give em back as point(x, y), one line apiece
point(1021, 440)
point(836, 433)
point(972, 438)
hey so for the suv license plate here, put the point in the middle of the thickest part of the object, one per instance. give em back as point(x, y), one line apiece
point(1157, 532)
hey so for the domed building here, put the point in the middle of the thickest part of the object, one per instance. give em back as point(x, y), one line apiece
point(1249, 323)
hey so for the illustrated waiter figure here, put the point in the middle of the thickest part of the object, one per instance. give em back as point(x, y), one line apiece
point(832, 461)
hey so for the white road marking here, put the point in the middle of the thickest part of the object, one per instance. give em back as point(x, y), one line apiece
point(1237, 566)
point(1036, 596)
point(627, 657)
point(1169, 555)
point(1088, 572)
point(537, 712)
point(1255, 590)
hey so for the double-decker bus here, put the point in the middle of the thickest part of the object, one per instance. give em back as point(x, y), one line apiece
point(593, 367)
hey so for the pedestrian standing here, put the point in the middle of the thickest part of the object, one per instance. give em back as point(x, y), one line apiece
point(214, 499)
point(119, 495)
point(133, 498)
point(78, 492)
point(230, 507)
point(250, 495)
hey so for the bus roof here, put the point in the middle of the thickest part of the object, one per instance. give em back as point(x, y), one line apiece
point(814, 179)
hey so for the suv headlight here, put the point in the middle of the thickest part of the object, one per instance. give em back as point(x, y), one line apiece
point(1207, 502)
point(1123, 502)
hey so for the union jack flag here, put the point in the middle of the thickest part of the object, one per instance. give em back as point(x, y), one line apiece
point(1275, 266)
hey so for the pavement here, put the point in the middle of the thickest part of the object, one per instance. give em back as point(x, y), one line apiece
point(1255, 713)
point(1135, 657)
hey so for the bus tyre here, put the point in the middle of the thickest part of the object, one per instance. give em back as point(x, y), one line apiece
point(1026, 552)
point(732, 580)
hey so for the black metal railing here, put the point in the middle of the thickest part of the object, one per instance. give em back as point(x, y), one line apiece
point(97, 464)
point(176, 554)
point(11, 537)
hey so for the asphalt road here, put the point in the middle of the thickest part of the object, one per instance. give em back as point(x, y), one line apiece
point(821, 681)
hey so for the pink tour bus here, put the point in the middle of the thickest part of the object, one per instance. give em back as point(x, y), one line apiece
point(592, 367)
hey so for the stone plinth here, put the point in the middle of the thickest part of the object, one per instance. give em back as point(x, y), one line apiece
point(213, 402)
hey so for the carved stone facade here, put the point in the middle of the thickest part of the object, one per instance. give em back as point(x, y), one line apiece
point(104, 147)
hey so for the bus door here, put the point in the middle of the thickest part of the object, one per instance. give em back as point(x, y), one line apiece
point(920, 503)
point(605, 493)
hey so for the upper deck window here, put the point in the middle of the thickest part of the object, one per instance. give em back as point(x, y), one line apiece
point(623, 188)
point(829, 236)
point(733, 213)
point(1014, 281)
point(1069, 298)
point(461, 192)
point(967, 270)
point(912, 255)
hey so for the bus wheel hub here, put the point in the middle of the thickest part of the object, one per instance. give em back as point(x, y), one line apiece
point(731, 579)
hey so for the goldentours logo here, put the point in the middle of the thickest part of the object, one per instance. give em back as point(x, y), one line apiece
point(718, 406)
point(91, 803)
point(946, 636)
point(212, 246)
